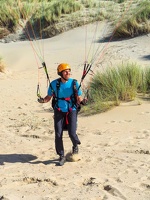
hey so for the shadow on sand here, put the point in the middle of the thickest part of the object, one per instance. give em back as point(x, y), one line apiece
point(13, 158)
point(47, 162)
point(24, 158)
point(147, 57)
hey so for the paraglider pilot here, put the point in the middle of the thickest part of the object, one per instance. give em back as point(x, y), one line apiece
point(66, 100)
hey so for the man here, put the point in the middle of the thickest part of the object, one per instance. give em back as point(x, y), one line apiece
point(66, 96)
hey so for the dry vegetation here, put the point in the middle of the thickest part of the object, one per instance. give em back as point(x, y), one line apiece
point(51, 17)
point(2, 65)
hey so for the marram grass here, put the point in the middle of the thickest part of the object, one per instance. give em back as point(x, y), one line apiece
point(116, 84)
point(50, 14)
point(137, 24)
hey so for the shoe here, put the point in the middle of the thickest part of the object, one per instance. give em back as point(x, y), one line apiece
point(75, 150)
point(62, 160)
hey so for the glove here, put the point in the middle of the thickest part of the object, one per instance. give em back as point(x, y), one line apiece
point(41, 100)
point(84, 102)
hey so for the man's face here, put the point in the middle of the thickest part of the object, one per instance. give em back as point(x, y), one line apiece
point(66, 74)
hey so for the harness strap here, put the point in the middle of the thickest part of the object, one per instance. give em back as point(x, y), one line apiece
point(67, 99)
point(72, 98)
point(67, 122)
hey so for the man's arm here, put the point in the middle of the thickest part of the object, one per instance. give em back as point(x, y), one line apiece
point(45, 99)
point(82, 101)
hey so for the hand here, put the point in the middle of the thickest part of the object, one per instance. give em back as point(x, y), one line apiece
point(41, 100)
point(84, 102)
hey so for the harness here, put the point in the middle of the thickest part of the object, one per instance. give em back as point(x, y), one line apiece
point(71, 99)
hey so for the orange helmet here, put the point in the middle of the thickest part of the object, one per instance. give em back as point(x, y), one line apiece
point(62, 67)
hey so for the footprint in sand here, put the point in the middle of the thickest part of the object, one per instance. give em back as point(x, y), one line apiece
point(145, 113)
point(30, 180)
point(114, 191)
point(3, 198)
point(120, 121)
point(138, 151)
point(144, 134)
point(144, 184)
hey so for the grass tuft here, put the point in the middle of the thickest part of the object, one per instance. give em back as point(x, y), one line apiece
point(2, 65)
point(116, 84)
point(137, 24)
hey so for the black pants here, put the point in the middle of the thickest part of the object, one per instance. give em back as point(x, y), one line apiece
point(59, 120)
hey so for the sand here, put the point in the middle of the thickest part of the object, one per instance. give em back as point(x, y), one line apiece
point(115, 147)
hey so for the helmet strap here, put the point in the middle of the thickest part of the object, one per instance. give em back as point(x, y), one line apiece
point(64, 78)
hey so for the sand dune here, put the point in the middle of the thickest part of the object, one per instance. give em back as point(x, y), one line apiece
point(115, 149)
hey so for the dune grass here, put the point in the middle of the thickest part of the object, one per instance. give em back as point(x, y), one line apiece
point(36, 13)
point(49, 14)
point(53, 17)
point(147, 80)
point(115, 85)
point(2, 65)
point(46, 15)
point(137, 24)
point(9, 15)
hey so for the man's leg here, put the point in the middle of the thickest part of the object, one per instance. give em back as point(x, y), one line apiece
point(72, 126)
point(58, 125)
